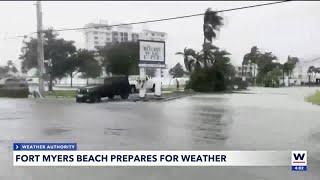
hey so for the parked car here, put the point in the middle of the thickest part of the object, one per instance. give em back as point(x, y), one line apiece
point(14, 87)
point(150, 83)
point(112, 86)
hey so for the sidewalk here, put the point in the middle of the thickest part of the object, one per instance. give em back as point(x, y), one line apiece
point(166, 96)
point(150, 97)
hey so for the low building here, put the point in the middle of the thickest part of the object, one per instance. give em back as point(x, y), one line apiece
point(300, 72)
point(247, 71)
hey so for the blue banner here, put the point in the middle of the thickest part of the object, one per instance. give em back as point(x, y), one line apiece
point(44, 146)
point(299, 168)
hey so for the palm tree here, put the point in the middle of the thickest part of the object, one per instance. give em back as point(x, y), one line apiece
point(251, 57)
point(222, 55)
point(289, 66)
point(211, 23)
point(311, 70)
point(292, 61)
point(189, 56)
point(208, 54)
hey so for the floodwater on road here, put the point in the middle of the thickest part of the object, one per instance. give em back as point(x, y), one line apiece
point(257, 119)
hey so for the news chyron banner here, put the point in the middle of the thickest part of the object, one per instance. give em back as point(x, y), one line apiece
point(67, 154)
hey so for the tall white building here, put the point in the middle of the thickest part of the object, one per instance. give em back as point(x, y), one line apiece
point(100, 34)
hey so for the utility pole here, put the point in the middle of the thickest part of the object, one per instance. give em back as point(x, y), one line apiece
point(40, 53)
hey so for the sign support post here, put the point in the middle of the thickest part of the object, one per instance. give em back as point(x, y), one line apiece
point(142, 91)
point(152, 55)
point(157, 90)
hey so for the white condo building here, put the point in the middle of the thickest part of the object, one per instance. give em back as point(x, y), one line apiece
point(100, 34)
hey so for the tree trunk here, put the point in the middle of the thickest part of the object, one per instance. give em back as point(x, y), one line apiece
point(283, 78)
point(50, 82)
point(205, 60)
point(289, 76)
point(204, 52)
point(242, 70)
point(71, 80)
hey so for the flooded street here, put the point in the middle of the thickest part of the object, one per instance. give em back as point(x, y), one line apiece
point(257, 119)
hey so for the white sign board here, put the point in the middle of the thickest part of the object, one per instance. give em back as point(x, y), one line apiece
point(152, 52)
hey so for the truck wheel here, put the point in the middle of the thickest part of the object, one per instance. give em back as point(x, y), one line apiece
point(124, 96)
point(78, 100)
point(97, 99)
point(110, 96)
point(92, 99)
point(133, 89)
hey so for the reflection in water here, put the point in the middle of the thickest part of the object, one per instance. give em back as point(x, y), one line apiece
point(9, 118)
point(211, 123)
point(114, 131)
point(55, 131)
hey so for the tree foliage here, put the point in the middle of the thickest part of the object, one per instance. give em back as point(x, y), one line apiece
point(217, 77)
point(8, 69)
point(88, 65)
point(57, 50)
point(272, 78)
point(189, 57)
point(252, 57)
point(290, 65)
point(313, 69)
point(268, 66)
point(177, 71)
point(266, 62)
point(211, 24)
point(210, 68)
point(121, 58)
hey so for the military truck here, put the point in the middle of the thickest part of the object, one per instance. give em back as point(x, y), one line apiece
point(111, 86)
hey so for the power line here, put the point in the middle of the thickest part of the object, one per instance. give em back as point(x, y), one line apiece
point(164, 19)
point(312, 60)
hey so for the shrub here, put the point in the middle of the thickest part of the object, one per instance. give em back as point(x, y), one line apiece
point(240, 83)
point(209, 80)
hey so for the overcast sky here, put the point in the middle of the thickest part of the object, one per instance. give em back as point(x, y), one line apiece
point(291, 28)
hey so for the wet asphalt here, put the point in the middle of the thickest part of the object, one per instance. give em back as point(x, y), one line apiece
point(258, 119)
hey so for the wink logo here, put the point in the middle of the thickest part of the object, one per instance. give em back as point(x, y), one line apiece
point(299, 160)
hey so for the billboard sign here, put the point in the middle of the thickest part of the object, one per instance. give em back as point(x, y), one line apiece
point(151, 52)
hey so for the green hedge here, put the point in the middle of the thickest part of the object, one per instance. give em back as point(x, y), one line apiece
point(17, 93)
